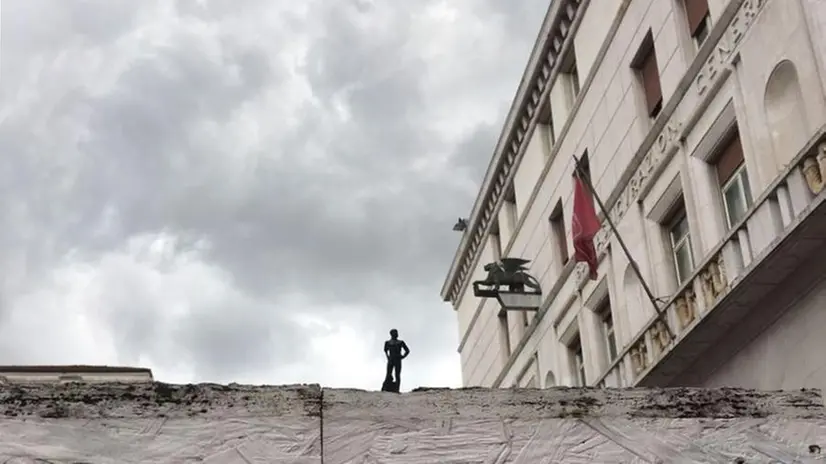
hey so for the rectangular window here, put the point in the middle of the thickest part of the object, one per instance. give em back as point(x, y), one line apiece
point(504, 336)
point(737, 196)
point(681, 246)
point(558, 235)
point(577, 362)
point(645, 62)
point(547, 125)
point(734, 180)
point(510, 205)
point(571, 73)
point(699, 20)
point(608, 332)
point(496, 241)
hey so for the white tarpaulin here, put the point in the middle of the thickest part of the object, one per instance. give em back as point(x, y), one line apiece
point(159, 423)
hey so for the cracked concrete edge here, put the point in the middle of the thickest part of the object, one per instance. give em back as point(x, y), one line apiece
point(157, 399)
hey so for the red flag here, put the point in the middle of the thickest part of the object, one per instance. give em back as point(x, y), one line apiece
point(584, 225)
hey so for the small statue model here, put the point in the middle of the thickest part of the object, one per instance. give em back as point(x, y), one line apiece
point(393, 351)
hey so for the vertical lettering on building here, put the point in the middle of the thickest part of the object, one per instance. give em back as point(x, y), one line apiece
point(727, 45)
point(652, 160)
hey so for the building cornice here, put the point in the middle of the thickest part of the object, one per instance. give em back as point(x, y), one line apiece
point(536, 78)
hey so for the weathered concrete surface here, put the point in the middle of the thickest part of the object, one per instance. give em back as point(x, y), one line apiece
point(159, 423)
point(572, 425)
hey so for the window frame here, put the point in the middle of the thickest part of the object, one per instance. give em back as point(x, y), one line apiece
point(646, 66)
point(740, 176)
point(578, 362)
point(546, 118)
point(609, 331)
point(509, 203)
point(571, 71)
point(729, 162)
point(559, 233)
point(702, 32)
point(698, 20)
point(497, 240)
point(679, 216)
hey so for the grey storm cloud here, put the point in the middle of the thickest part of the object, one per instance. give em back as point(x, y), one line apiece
point(310, 156)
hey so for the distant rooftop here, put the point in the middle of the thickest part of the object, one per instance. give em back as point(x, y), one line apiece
point(73, 368)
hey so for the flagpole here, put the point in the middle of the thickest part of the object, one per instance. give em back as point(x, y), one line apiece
point(634, 266)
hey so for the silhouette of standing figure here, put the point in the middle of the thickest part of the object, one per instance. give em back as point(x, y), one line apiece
point(393, 350)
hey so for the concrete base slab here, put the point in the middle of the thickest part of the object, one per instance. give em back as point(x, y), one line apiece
point(566, 425)
point(159, 423)
point(215, 424)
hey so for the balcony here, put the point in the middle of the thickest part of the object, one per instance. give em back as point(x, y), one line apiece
point(783, 232)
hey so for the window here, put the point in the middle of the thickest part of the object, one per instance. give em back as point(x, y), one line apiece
point(570, 71)
point(496, 241)
point(547, 126)
point(737, 196)
point(608, 333)
point(699, 20)
point(558, 235)
point(645, 63)
point(681, 245)
point(510, 204)
point(504, 336)
point(577, 362)
point(734, 180)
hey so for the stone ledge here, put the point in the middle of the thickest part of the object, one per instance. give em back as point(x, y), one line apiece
point(123, 423)
point(156, 399)
point(124, 400)
point(563, 402)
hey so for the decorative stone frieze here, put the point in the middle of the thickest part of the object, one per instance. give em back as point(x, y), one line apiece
point(659, 337)
point(713, 281)
point(814, 169)
point(639, 356)
point(686, 307)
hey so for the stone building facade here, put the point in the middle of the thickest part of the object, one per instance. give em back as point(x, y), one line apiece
point(702, 124)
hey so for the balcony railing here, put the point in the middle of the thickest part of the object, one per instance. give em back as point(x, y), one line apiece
point(776, 213)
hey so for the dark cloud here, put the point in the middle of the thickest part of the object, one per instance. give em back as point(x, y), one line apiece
point(317, 153)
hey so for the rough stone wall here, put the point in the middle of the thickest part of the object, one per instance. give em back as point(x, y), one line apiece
point(161, 423)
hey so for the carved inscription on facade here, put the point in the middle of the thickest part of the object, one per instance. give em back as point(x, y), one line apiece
point(727, 45)
point(667, 138)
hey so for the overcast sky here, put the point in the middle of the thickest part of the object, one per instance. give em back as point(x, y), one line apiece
point(245, 190)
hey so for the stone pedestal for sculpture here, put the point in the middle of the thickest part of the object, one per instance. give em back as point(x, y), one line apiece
point(216, 424)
